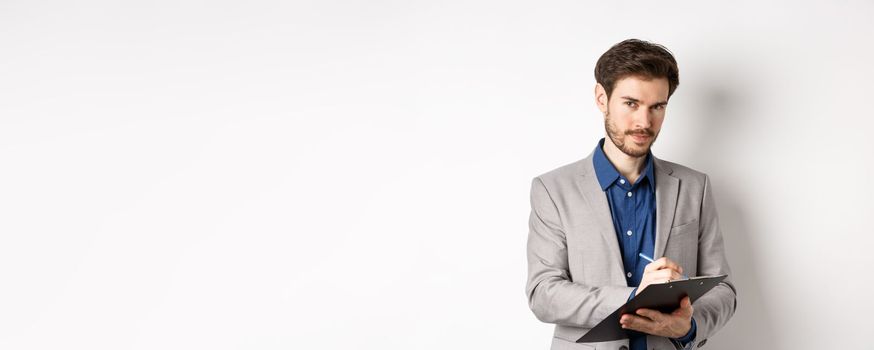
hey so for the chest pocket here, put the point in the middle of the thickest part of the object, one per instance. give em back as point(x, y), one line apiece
point(682, 246)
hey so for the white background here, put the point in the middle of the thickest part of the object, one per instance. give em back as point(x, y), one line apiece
point(355, 174)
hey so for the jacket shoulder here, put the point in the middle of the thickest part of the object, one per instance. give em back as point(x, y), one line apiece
point(685, 173)
point(565, 172)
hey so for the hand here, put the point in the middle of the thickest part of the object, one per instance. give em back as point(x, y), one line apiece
point(673, 325)
point(659, 271)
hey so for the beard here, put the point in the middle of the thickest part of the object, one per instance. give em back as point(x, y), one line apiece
point(618, 138)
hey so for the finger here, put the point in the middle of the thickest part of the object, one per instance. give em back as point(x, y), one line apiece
point(658, 275)
point(672, 265)
point(655, 265)
point(637, 323)
point(670, 275)
point(630, 318)
point(625, 319)
point(653, 315)
point(663, 264)
point(662, 276)
point(685, 310)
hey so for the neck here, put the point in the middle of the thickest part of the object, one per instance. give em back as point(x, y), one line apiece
point(630, 167)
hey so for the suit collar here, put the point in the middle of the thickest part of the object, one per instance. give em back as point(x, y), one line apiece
point(607, 173)
point(586, 166)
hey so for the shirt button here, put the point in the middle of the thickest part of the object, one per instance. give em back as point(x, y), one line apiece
point(622, 181)
point(629, 194)
point(628, 274)
point(628, 233)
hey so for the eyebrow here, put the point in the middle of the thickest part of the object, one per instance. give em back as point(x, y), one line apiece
point(632, 99)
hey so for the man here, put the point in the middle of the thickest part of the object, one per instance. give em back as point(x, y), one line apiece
point(590, 219)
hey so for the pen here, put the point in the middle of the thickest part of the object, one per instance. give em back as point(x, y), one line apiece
point(650, 260)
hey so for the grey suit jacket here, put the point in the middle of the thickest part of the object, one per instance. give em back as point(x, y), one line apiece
point(575, 271)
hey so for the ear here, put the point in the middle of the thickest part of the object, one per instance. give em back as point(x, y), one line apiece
point(601, 98)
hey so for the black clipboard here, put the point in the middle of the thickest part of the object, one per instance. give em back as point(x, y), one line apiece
point(664, 297)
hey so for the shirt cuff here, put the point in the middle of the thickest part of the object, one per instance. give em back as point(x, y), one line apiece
point(689, 336)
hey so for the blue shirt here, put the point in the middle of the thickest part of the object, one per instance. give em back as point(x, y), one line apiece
point(633, 208)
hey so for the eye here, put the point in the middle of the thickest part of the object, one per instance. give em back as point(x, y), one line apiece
point(630, 103)
point(659, 107)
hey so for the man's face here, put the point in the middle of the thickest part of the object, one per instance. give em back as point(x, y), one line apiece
point(634, 114)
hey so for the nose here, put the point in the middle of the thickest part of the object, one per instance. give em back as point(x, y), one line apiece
point(642, 119)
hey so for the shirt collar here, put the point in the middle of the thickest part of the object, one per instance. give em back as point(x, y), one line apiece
point(607, 173)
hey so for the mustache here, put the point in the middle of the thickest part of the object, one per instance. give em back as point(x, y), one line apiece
point(641, 132)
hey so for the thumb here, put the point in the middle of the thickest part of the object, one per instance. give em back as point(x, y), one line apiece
point(685, 307)
point(687, 304)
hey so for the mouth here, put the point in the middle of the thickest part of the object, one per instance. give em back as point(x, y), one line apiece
point(640, 138)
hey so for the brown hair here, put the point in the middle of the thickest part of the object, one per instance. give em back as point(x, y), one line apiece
point(635, 57)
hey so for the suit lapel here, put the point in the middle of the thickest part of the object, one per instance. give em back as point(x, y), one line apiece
point(667, 190)
point(587, 181)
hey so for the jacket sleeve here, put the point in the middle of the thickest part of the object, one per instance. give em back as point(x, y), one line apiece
point(552, 296)
point(716, 307)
